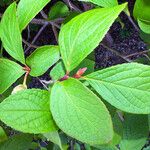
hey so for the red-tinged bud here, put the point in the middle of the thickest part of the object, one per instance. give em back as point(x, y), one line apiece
point(64, 78)
point(80, 72)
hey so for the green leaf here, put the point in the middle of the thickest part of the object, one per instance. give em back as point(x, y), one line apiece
point(124, 86)
point(17, 142)
point(3, 136)
point(138, 12)
point(118, 132)
point(9, 73)
point(82, 34)
point(103, 3)
point(28, 111)
point(135, 132)
point(42, 59)
point(54, 137)
point(58, 71)
point(145, 26)
point(143, 17)
point(10, 34)
point(28, 9)
point(80, 113)
point(58, 10)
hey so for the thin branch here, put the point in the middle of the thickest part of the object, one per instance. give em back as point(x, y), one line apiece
point(55, 33)
point(43, 84)
point(43, 22)
point(28, 44)
point(117, 53)
point(138, 53)
point(43, 14)
point(37, 36)
point(133, 23)
point(72, 6)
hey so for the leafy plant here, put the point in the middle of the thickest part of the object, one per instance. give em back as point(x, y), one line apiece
point(76, 100)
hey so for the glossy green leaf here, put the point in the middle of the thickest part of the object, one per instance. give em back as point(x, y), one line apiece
point(54, 137)
point(82, 34)
point(145, 26)
point(28, 9)
point(58, 71)
point(58, 10)
point(103, 3)
point(28, 111)
point(9, 73)
point(17, 142)
point(135, 132)
point(80, 113)
point(42, 59)
point(10, 34)
point(125, 86)
point(3, 136)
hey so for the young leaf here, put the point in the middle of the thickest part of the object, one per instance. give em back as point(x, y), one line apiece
point(82, 34)
point(42, 59)
point(28, 9)
point(10, 34)
point(80, 113)
point(17, 142)
point(3, 136)
point(9, 73)
point(135, 132)
point(28, 111)
point(58, 10)
point(125, 86)
point(103, 3)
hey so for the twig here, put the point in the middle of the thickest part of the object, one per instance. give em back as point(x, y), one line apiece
point(43, 14)
point(117, 53)
point(43, 22)
point(55, 32)
point(42, 83)
point(29, 45)
point(72, 6)
point(37, 36)
point(137, 53)
point(133, 23)
point(147, 57)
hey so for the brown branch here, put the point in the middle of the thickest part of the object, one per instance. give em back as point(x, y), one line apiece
point(117, 53)
point(28, 44)
point(37, 36)
point(72, 6)
point(138, 53)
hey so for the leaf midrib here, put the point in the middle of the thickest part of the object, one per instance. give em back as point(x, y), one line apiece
point(86, 78)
